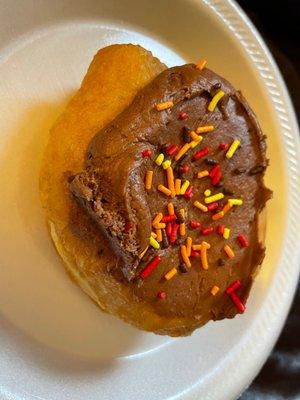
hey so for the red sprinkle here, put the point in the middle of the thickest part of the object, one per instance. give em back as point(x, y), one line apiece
point(216, 178)
point(183, 169)
point(169, 229)
point(189, 193)
point(233, 287)
point(161, 295)
point(243, 241)
point(172, 149)
point(237, 301)
point(168, 218)
point(194, 224)
point(173, 235)
point(214, 170)
point(200, 153)
point(212, 206)
point(146, 153)
point(220, 229)
point(128, 226)
point(182, 115)
point(207, 230)
point(223, 146)
point(195, 254)
point(150, 267)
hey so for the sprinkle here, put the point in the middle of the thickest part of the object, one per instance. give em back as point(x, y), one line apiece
point(233, 287)
point(223, 146)
point(169, 275)
point(154, 243)
point(204, 247)
point(182, 151)
point(195, 137)
point(226, 208)
point(194, 224)
point(173, 235)
point(169, 218)
point(189, 193)
point(242, 240)
point(239, 305)
point(158, 235)
point(214, 290)
point(184, 186)
point(164, 190)
point(150, 267)
point(226, 233)
point(181, 215)
point(195, 254)
point(143, 253)
point(159, 226)
point(157, 219)
point(172, 149)
point(159, 159)
point(183, 169)
point(214, 170)
point(182, 267)
point(166, 164)
point(220, 229)
point(218, 215)
point(210, 161)
point(214, 101)
point(202, 174)
point(234, 145)
point(214, 198)
point(207, 192)
point(148, 179)
point(189, 242)
point(170, 179)
point(182, 229)
point(204, 129)
point(165, 241)
point(171, 209)
point(153, 235)
point(182, 115)
point(197, 247)
point(169, 229)
point(212, 206)
point(216, 178)
point(207, 230)
point(164, 106)
point(235, 202)
point(177, 186)
point(184, 256)
point(200, 153)
point(128, 226)
point(195, 143)
point(185, 134)
point(228, 250)
point(201, 206)
point(201, 64)
point(161, 295)
point(146, 153)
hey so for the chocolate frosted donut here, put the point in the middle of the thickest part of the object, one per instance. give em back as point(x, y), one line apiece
point(175, 182)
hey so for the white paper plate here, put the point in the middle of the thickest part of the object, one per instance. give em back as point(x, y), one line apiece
point(54, 343)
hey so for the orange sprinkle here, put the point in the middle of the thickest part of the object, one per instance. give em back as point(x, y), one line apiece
point(177, 186)
point(226, 208)
point(218, 215)
point(205, 129)
point(169, 275)
point(197, 247)
point(195, 137)
point(159, 226)
point(182, 151)
point(148, 179)
point(201, 206)
point(182, 229)
point(214, 290)
point(164, 106)
point(228, 250)
point(202, 174)
point(164, 190)
point(170, 178)
point(189, 242)
point(171, 209)
point(201, 64)
point(157, 219)
point(158, 235)
point(184, 256)
point(204, 247)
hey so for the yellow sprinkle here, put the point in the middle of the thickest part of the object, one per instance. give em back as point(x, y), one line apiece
point(157, 219)
point(228, 250)
point(169, 275)
point(159, 159)
point(195, 143)
point(202, 174)
point(166, 164)
point(171, 209)
point(205, 129)
point(218, 215)
point(182, 151)
point(201, 206)
point(164, 106)
point(154, 235)
point(184, 256)
point(159, 235)
point(148, 179)
point(177, 186)
point(215, 197)
point(214, 101)
point(235, 202)
point(195, 137)
point(182, 213)
point(189, 242)
point(154, 243)
point(201, 64)
point(234, 145)
point(182, 229)
point(204, 247)
point(214, 290)
point(164, 190)
point(170, 178)
point(226, 233)
point(159, 226)
point(207, 192)
point(184, 186)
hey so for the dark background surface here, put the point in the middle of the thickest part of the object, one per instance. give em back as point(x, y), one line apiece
point(279, 24)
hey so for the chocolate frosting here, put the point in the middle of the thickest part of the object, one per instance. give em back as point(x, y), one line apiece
point(111, 190)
